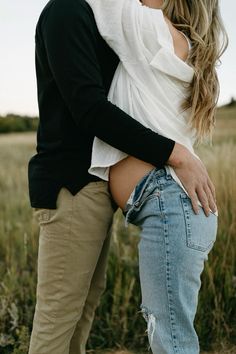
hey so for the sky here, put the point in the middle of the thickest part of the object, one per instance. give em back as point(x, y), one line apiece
point(18, 93)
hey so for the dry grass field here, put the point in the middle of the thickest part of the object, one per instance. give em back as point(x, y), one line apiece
point(231, 350)
point(118, 323)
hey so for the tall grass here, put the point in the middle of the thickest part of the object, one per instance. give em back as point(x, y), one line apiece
point(216, 317)
point(118, 322)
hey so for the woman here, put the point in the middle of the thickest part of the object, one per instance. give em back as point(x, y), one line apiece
point(167, 80)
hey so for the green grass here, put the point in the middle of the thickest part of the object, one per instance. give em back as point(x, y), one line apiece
point(118, 323)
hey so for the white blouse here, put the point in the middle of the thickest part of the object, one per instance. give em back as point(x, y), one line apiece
point(150, 81)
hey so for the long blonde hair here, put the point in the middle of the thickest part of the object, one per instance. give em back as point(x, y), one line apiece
point(201, 21)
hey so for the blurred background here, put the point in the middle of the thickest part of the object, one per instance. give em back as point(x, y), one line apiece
point(118, 323)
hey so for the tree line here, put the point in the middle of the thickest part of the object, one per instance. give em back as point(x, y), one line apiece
point(16, 123)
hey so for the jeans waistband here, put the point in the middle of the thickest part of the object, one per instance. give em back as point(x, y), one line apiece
point(142, 185)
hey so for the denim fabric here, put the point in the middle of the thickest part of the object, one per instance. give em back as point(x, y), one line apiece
point(174, 244)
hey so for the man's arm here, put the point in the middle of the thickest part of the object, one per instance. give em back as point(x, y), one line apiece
point(70, 38)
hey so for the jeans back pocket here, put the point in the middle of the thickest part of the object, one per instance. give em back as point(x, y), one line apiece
point(201, 230)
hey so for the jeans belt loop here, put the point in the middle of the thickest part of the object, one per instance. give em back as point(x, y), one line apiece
point(168, 174)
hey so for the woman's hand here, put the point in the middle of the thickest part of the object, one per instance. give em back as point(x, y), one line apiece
point(194, 176)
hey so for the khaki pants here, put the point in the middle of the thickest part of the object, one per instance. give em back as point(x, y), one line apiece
point(73, 248)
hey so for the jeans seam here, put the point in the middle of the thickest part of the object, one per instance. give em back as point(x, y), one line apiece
point(168, 277)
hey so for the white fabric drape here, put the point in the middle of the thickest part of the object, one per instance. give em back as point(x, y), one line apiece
point(150, 81)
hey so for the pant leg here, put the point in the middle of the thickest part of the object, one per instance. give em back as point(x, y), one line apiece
point(70, 243)
point(97, 287)
point(173, 246)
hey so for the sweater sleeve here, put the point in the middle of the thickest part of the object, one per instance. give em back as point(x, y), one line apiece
point(70, 38)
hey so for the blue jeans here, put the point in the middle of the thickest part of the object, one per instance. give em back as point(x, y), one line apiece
point(174, 243)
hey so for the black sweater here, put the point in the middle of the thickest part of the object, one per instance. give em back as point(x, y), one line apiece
point(74, 68)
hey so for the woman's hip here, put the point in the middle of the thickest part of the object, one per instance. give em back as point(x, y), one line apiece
point(124, 176)
point(159, 204)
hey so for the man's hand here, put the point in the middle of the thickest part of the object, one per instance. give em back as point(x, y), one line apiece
point(193, 174)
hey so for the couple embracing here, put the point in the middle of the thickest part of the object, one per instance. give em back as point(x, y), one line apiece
point(125, 90)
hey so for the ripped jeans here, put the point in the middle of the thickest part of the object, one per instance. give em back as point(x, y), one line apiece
point(174, 243)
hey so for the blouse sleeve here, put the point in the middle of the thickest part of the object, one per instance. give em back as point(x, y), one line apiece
point(120, 23)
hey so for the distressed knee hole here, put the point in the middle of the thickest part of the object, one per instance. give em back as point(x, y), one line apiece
point(150, 318)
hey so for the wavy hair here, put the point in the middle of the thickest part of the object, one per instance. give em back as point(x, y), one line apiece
point(201, 21)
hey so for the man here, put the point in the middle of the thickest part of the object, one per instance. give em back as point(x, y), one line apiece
point(74, 69)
